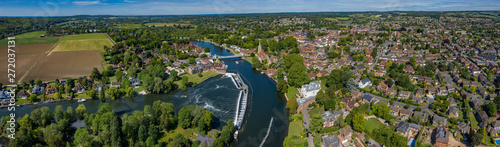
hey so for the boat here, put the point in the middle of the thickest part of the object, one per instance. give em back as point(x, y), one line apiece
point(236, 62)
point(236, 135)
point(81, 100)
point(20, 105)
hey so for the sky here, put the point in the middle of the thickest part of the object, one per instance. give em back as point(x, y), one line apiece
point(194, 7)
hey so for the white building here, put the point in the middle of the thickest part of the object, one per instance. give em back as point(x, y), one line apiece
point(364, 83)
point(310, 90)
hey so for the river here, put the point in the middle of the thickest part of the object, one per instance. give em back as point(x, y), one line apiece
point(218, 95)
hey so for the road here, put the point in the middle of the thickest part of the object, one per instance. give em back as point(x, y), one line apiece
point(376, 61)
point(306, 118)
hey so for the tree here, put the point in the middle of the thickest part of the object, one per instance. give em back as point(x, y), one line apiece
point(57, 95)
point(81, 112)
point(96, 75)
point(58, 113)
point(389, 82)
point(82, 138)
point(38, 81)
point(351, 84)
point(184, 117)
point(292, 105)
point(382, 110)
point(297, 75)
point(52, 135)
point(282, 86)
point(492, 109)
point(358, 122)
point(476, 139)
point(174, 75)
point(32, 98)
point(191, 60)
point(316, 123)
point(207, 50)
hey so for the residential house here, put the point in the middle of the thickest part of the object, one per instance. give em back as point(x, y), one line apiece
point(409, 130)
point(464, 127)
point(404, 94)
point(98, 86)
point(439, 121)
point(394, 111)
point(424, 115)
point(364, 83)
point(195, 69)
point(442, 91)
point(310, 90)
point(409, 69)
point(453, 111)
point(368, 98)
point(115, 84)
point(355, 93)
point(37, 90)
point(482, 118)
point(5, 94)
point(495, 128)
point(345, 134)
point(134, 82)
point(78, 89)
point(404, 114)
point(22, 94)
point(51, 90)
point(441, 137)
point(331, 141)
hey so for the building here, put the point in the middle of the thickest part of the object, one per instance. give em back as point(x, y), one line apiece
point(422, 115)
point(394, 111)
point(439, 121)
point(441, 137)
point(331, 141)
point(453, 111)
point(409, 130)
point(195, 69)
point(134, 82)
point(329, 117)
point(404, 114)
point(310, 90)
point(205, 139)
point(404, 94)
point(368, 98)
point(51, 90)
point(115, 84)
point(345, 134)
point(79, 89)
point(37, 90)
point(364, 83)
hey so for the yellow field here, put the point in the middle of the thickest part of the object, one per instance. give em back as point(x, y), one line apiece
point(95, 41)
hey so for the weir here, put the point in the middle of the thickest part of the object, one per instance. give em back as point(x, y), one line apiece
point(242, 99)
point(268, 131)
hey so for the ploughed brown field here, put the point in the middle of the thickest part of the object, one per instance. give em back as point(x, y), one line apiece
point(58, 65)
point(26, 56)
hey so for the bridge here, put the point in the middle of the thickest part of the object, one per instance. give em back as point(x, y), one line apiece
point(228, 57)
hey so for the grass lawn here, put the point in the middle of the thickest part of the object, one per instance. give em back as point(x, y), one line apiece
point(292, 92)
point(317, 140)
point(93, 41)
point(188, 133)
point(249, 59)
point(140, 88)
point(169, 24)
point(112, 79)
point(296, 128)
point(196, 79)
point(31, 38)
point(372, 124)
point(473, 121)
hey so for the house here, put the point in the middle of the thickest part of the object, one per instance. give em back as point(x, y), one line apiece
point(364, 83)
point(355, 93)
point(409, 69)
point(382, 87)
point(205, 140)
point(482, 118)
point(51, 90)
point(464, 127)
point(394, 111)
point(419, 93)
point(439, 121)
point(5, 94)
point(310, 90)
point(442, 91)
point(452, 101)
point(404, 94)
point(331, 141)
point(345, 134)
point(368, 98)
point(441, 137)
point(134, 82)
point(22, 94)
point(418, 100)
point(409, 130)
point(37, 90)
point(453, 111)
point(98, 86)
point(79, 88)
point(329, 117)
point(404, 114)
point(115, 84)
point(495, 126)
point(422, 115)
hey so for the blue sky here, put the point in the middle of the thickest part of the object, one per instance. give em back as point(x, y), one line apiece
point(186, 7)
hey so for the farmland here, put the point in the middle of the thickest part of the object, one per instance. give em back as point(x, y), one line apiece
point(31, 38)
point(163, 24)
point(66, 64)
point(94, 41)
point(26, 56)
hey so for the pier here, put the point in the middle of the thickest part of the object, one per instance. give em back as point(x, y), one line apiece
point(268, 131)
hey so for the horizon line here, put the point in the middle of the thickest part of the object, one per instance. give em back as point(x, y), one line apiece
point(254, 13)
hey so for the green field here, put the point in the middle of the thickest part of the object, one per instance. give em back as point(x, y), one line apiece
point(292, 92)
point(163, 23)
point(473, 121)
point(196, 79)
point(94, 41)
point(372, 124)
point(31, 38)
point(338, 18)
point(296, 128)
point(128, 26)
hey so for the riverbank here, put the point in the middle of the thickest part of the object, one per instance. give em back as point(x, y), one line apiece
point(197, 79)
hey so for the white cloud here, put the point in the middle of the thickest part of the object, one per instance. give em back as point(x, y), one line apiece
point(84, 3)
